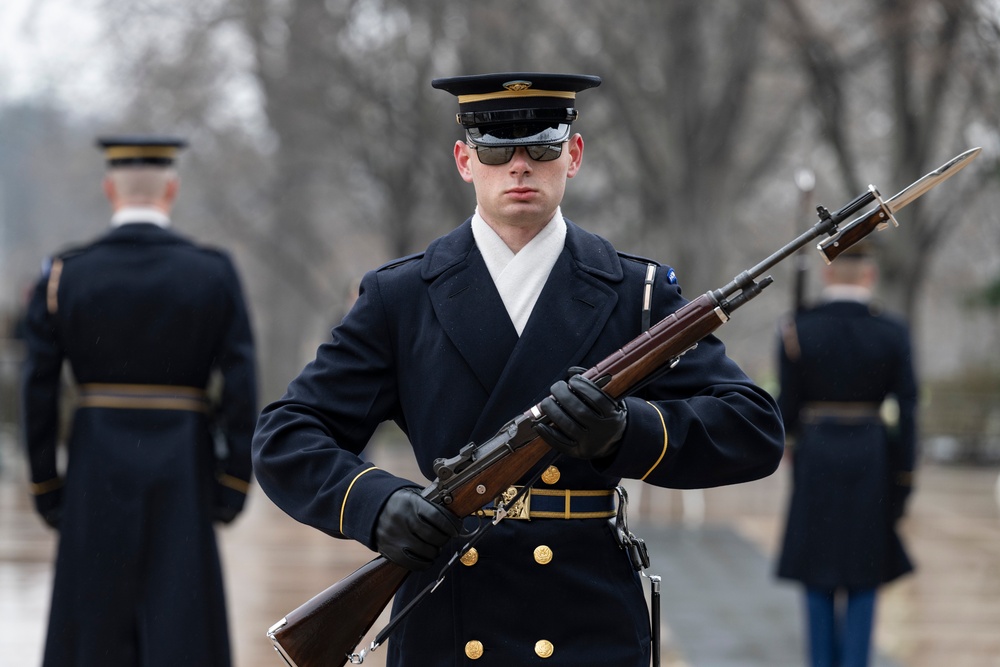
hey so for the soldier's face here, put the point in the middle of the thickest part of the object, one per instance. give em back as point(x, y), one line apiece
point(524, 192)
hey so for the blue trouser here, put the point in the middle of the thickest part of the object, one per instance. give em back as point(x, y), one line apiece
point(840, 635)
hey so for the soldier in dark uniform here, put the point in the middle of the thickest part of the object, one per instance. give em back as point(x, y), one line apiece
point(852, 473)
point(453, 342)
point(145, 319)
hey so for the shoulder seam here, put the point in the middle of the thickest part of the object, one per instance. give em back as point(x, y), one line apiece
point(637, 258)
point(400, 261)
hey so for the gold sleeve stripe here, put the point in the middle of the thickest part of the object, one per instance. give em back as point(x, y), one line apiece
point(52, 288)
point(41, 488)
point(343, 505)
point(234, 483)
point(662, 453)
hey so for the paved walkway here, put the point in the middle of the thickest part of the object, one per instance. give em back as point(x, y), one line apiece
point(713, 549)
point(721, 606)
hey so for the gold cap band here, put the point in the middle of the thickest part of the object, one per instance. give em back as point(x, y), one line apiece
point(133, 152)
point(507, 94)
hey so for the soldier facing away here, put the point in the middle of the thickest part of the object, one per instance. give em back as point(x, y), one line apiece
point(145, 319)
point(453, 342)
point(851, 473)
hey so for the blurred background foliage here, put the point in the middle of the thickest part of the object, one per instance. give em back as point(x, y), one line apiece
point(319, 149)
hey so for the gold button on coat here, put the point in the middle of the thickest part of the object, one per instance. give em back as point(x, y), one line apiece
point(544, 648)
point(470, 557)
point(551, 475)
point(543, 555)
point(474, 649)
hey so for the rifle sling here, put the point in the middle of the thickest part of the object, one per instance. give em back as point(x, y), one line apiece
point(647, 295)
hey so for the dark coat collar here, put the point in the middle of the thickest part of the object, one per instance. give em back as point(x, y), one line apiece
point(141, 232)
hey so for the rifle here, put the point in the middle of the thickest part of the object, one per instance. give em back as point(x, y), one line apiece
point(324, 631)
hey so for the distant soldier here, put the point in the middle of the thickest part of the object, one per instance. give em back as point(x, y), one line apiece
point(146, 319)
point(852, 474)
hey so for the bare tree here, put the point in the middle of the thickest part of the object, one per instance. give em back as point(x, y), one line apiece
point(896, 87)
point(345, 159)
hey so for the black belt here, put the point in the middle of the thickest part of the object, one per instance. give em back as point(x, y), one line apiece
point(556, 504)
point(142, 397)
point(840, 411)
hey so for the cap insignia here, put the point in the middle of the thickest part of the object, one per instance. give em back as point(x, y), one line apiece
point(517, 86)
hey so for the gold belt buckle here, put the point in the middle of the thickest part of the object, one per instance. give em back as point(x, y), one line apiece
point(519, 510)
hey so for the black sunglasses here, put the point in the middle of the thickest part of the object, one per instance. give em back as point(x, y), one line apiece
point(494, 155)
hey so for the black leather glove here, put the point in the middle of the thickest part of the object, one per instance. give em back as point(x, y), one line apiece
point(229, 495)
point(410, 531)
point(49, 506)
point(898, 494)
point(586, 422)
point(228, 503)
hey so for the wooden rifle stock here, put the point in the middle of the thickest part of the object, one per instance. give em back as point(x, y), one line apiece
point(325, 631)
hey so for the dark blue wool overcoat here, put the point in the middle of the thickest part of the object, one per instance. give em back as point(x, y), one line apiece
point(429, 345)
point(848, 469)
point(143, 317)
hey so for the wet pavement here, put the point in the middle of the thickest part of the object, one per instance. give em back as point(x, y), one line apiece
point(714, 551)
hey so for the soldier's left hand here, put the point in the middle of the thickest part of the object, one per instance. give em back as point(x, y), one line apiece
point(49, 507)
point(586, 423)
point(227, 504)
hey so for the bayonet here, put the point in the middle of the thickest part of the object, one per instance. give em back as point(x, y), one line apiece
point(936, 177)
point(884, 214)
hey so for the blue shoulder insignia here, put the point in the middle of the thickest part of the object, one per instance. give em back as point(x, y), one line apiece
point(671, 274)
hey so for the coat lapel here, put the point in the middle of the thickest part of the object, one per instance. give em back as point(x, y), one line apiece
point(567, 319)
point(468, 305)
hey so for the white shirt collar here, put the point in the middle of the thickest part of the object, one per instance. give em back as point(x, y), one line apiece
point(846, 293)
point(129, 214)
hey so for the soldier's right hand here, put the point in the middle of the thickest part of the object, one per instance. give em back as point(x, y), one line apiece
point(898, 495)
point(411, 531)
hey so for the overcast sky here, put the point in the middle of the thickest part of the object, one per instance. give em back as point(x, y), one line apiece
point(49, 47)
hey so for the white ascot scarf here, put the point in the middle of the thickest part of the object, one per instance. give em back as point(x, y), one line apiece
point(520, 277)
